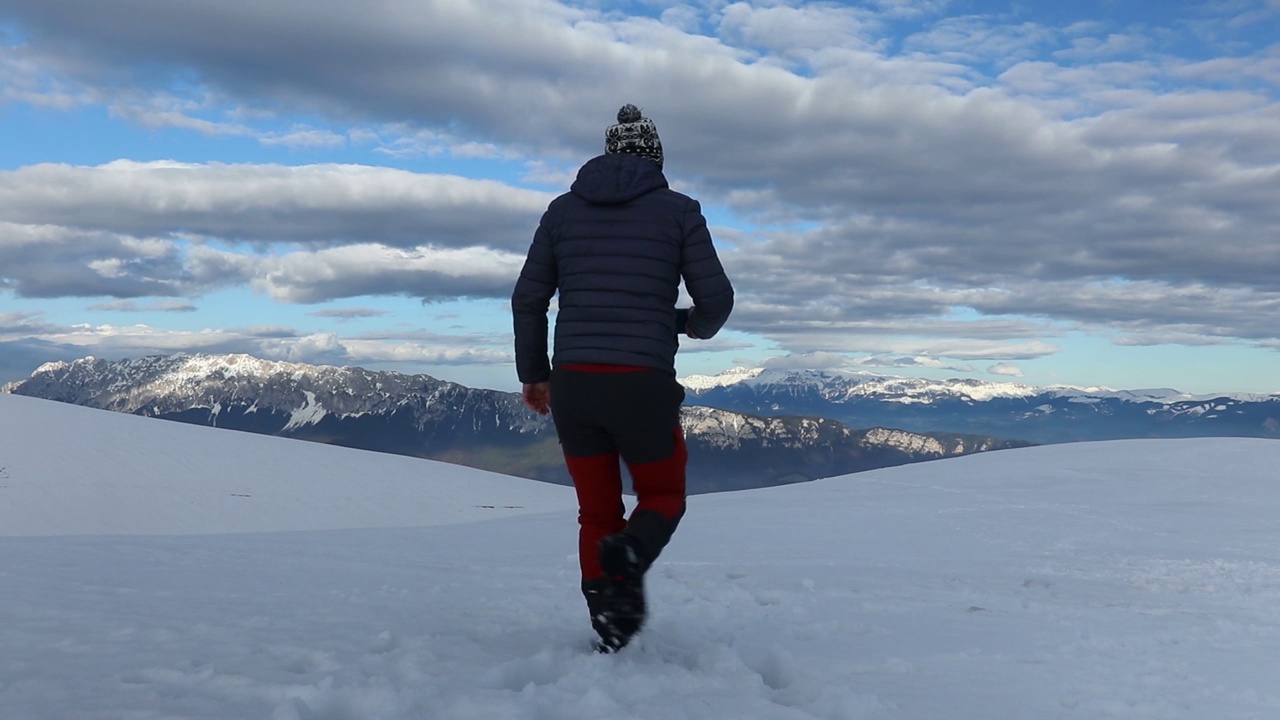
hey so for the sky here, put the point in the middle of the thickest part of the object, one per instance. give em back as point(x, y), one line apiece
point(1039, 192)
point(1125, 580)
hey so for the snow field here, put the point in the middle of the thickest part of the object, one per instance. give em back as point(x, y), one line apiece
point(1103, 580)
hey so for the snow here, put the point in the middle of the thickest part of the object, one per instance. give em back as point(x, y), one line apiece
point(310, 413)
point(1131, 579)
point(910, 442)
point(732, 376)
point(78, 471)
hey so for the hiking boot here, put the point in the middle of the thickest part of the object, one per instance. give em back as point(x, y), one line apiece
point(599, 595)
point(622, 604)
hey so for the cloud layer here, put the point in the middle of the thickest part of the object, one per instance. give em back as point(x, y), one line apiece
point(895, 180)
point(129, 229)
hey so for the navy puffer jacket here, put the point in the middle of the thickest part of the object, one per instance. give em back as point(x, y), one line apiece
point(616, 246)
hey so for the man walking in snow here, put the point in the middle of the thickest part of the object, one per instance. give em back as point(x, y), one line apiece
point(616, 247)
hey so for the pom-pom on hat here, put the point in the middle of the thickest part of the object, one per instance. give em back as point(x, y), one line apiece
point(634, 134)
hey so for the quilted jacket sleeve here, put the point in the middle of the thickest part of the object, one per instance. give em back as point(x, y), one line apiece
point(704, 277)
point(529, 303)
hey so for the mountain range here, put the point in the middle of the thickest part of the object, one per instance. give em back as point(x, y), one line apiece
point(1041, 415)
point(421, 416)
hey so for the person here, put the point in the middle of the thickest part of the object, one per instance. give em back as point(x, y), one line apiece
point(616, 247)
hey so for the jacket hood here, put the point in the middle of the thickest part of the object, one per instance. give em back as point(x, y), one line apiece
point(617, 178)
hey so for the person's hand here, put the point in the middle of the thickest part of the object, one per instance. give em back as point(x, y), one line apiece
point(537, 396)
point(682, 323)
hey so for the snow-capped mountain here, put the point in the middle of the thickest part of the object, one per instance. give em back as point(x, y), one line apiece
point(1010, 410)
point(421, 416)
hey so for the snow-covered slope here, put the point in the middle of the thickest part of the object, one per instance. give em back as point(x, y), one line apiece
point(69, 470)
point(1134, 579)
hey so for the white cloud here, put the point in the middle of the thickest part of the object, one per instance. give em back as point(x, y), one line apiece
point(1109, 188)
point(325, 204)
point(351, 271)
point(1006, 370)
point(912, 362)
point(21, 324)
point(807, 361)
point(979, 39)
point(22, 353)
point(168, 112)
point(306, 137)
point(1099, 48)
point(786, 28)
point(380, 352)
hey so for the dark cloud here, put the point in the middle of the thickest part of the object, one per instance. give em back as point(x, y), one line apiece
point(493, 69)
point(48, 262)
point(20, 323)
point(20, 358)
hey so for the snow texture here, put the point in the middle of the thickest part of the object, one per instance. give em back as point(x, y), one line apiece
point(145, 573)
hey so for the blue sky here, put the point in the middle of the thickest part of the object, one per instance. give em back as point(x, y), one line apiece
point(1048, 193)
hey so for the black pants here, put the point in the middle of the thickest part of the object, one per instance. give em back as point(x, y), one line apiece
point(634, 416)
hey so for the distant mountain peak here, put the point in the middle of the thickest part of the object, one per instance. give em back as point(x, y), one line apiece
point(849, 383)
point(422, 416)
point(1058, 413)
point(841, 385)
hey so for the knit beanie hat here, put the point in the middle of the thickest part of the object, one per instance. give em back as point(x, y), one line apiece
point(634, 134)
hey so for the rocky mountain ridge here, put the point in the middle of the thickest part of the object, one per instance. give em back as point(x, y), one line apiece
point(421, 416)
point(1002, 409)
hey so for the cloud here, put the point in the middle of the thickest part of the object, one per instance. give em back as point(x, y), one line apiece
point(1250, 12)
point(1096, 48)
point(1037, 177)
point(373, 352)
point(130, 230)
point(19, 323)
point(158, 110)
point(951, 341)
point(912, 362)
point(306, 137)
point(19, 358)
point(1006, 370)
point(157, 306)
point(786, 29)
point(19, 355)
point(379, 59)
point(355, 270)
point(308, 204)
point(978, 39)
point(44, 262)
point(354, 313)
point(47, 261)
point(807, 361)
point(1158, 309)
point(834, 361)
